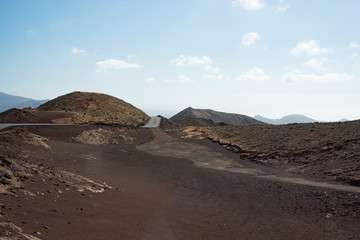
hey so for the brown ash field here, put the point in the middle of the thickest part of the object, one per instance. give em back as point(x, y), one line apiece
point(117, 182)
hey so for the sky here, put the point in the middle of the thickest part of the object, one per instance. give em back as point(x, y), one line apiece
point(266, 57)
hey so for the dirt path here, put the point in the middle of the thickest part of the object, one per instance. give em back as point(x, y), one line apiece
point(165, 145)
point(154, 122)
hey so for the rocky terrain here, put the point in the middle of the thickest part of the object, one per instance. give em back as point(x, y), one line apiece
point(196, 117)
point(321, 150)
point(30, 169)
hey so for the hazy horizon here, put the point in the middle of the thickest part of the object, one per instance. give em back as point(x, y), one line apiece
point(170, 113)
point(254, 57)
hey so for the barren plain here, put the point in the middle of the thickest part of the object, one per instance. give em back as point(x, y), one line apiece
point(113, 182)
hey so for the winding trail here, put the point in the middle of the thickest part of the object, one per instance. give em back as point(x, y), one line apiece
point(154, 122)
point(165, 145)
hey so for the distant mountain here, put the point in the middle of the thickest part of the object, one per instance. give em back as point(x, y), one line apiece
point(10, 101)
point(293, 118)
point(219, 118)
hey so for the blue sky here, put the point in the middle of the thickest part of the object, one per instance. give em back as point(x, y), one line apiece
point(267, 57)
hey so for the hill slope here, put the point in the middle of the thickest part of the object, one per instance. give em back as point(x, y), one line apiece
point(10, 101)
point(215, 116)
point(293, 118)
point(96, 108)
point(191, 121)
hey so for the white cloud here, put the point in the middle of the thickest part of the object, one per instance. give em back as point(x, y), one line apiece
point(281, 7)
point(250, 5)
point(150, 80)
point(353, 45)
point(76, 50)
point(254, 74)
point(212, 73)
point(310, 48)
point(250, 38)
point(191, 60)
point(113, 64)
point(180, 79)
point(297, 77)
point(212, 76)
point(317, 64)
point(355, 54)
point(212, 69)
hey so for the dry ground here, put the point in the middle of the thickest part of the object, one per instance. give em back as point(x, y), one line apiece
point(321, 150)
point(96, 182)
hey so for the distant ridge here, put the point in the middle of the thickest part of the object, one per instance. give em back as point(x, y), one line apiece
point(8, 101)
point(344, 120)
point(219, 118)
point(293, 118)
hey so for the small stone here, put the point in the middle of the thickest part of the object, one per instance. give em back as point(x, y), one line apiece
point(8, 176)
point(4, 181)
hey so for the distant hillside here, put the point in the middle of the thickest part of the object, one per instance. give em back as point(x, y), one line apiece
point(96, 108)
point(10, 101)
point(191, 121)
point(294, 118)
point(216, 117)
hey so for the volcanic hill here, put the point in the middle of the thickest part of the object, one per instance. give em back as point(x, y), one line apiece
point(219, 118)
point(96, 108)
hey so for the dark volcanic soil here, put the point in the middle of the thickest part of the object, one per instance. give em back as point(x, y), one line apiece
point(58, 187)
point(34, 116)
point(322, 150)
